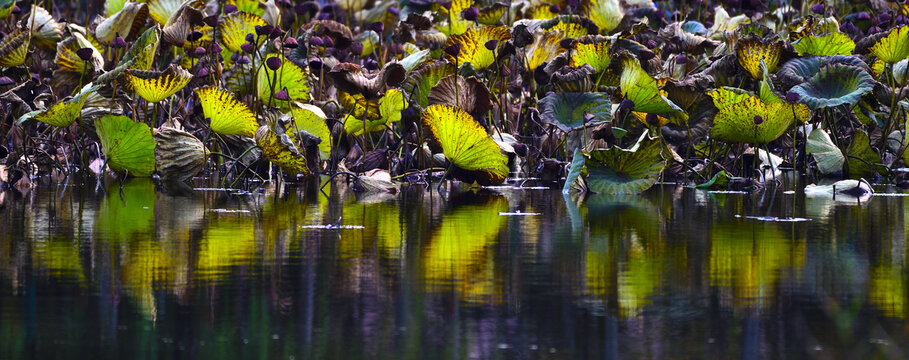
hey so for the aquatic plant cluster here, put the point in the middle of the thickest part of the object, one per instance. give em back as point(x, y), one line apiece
point(611, 95)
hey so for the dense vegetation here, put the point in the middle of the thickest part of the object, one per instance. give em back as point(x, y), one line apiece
point(612, 95)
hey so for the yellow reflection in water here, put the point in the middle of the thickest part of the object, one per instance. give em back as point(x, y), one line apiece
point(227, 242)
point(888, 290)
point(147, 268)
point(60, 259)
point(748, 257)
point(460, 255)
point(127, 211)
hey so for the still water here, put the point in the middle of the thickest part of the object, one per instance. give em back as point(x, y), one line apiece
point(503, 273)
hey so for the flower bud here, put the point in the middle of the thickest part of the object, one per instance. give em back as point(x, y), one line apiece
point(792, 97)
point(291, 43)
point(758, 120)
point(470, 14)
point(273, 63)
point(371, 65)
point(491, 45)
point(247, 48)
point(626, 104)
point(818, 8)
point(282, 95)
point(378, 27)
point(316, 41)
point(118, 42)
point(6, 81)
point(263, 30)
point(85, 53)
point(199, 51)
point(229, 9)
point(453, 50)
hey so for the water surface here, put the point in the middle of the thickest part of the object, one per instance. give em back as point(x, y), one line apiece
point(503, 273)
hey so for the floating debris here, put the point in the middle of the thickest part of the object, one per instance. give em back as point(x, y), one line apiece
point(773, 218)
point(519, 213)
point(230, 211)
point(333, 227)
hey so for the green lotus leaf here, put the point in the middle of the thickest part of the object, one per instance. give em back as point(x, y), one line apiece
point(835, 43)
point(719, 181)
point(234, 27)
point(568, 111)
point(829, 158)
point(835, 85)
point(799, 70)
point(390, 107)
point(642, 89)
point(606, 14)
point(62, 114)
point(861, 160)
point(574, 171)
point(617, 171)
point(227, 115)
point(473, 46)
point(893, 47)
point(466, 145)
point(142, 52)
point(289, 76)
point(128, 146)
point(735, 121)
point(311, 118)
point(421, 81)
point(593, 51)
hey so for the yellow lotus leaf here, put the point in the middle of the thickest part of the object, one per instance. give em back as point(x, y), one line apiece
point(46, 31)
point(247, 6)
point(595, 54)
point(490, 15)
point(893, 47)
point(570, 30)
point(311, 118)
point(466, 144)
point(234, 28)
point(835, 43)
point(473, 46)
point(68, 61)
point(358, 106)
point(390, 107)
point(541, 12)
point(112, 6)
point(545, 48)
point(606, 14)
point(739, 110)
point(13, 48)
point(228, 116)
point(127, 21)
point(161, 11)
point(751, 49)
point(143, 50)
point(128, 146)
point(154, 86)
point(643, 90)
point(455, 23)
point(289, 76)
point(64, 113)
point(279, 150)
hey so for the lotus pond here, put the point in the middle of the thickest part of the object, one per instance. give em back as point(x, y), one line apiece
point(293, 272)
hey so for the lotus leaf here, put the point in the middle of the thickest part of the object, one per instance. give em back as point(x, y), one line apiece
point(829, 157)
point(642, 89)
point(390, 107)
point(894, 47)
point(13, 49)
point(128, 146)
point(751, 50)
point(154, 86)
point(735, 121)
point(125, 22)
point(234, 27)
point(568, 111)
point(799, 70)
point(606, 14)
point(311, 119)
point(835, 85)
point(861, 160)
point(545, 47)
point(466, 144)
point(473, 49)
point(592, 51)
point(279, 149)
point(178, 155)
point(227, 115)
point(835, 43)
point(47, 32)
point(421, 81)
point(288, 76)
point(574, 171)
point(617, 171)
point(358, 107)
point(64, 113)
point(490, 15)
point(455, 24)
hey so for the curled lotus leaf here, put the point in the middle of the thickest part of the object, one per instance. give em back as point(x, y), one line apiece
point(390, 107)
point(861, 160)
point(419, 83)
point(835, 85)
point(127, 22)
point(46, 31)
point(735, 121)
point(179, 155)
point(112, 6)
point(69, 66)
point(835, 43)
point(473, 49)
point(354, 78)
point(642, 89)
point(154, 86)
point(828, 156)
point(339, 33)
point(370, 40)
point(128, 146)
point(490, 15)
point(228, 116)
point(606, 14)
point(466, 145)
point(13, 48)
point(142, 52)
point(799, 70)
point(690, 43)
point(616, 171)
point(358, 106)
point(163, 11)
point(234, 27)
point(247, 6)
point(311, 118)
point(893, 47)
point(751, 50)
point(571, 26)
point(64, 113)
point(455, 22)
point(289, 76)
point(470, 94)
point(568, 111)
point(279, 149)
point(184, 21)
point(592, 50)
point(545, 48)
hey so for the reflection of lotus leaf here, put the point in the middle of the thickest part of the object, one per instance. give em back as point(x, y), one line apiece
point(128, 213)
point(147, 268)
point(228, 116)
point(128, 146)
point(888, 289)
point(460, 250)
point(227, 243)
point(748, 259)
point(835, 43)
point(737, 110)
point(620, 171)
point(894, 47)
point(466, 144)
point(642, 89)
point(473, 46)
point(835, 85)
point(59, 258)
point(568, 111)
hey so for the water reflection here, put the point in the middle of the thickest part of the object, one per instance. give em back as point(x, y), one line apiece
point(676, 272)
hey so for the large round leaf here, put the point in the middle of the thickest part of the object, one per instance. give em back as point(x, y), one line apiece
point(893, 47)
point(473, 46)
point(751, 50)
point(228, 116)
point(642, 89)
point(466, 144)
point(568, 111)
point(154, 86)
point(129, 146)
point(835, 85)
point(835, 43)
point(735, 121)
point(288, 76)
point(619, 171)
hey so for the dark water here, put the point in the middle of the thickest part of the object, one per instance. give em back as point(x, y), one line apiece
point(675, 273)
